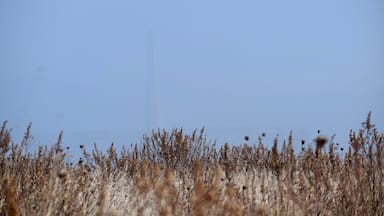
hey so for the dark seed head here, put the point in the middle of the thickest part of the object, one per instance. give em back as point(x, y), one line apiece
point(263, 134)
point(81, 146)
point(246, 138)
point(302, 142)
point(87, 168)
point(321, 140)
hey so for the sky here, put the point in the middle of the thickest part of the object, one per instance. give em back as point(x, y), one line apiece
point(106, 71)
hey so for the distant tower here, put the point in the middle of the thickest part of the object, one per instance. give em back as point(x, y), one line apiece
point(152, 109)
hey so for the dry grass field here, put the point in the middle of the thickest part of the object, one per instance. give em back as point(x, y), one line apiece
point(174, 173)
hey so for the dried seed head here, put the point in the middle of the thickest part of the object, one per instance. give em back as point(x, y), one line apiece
point(262, 209)
point(169, 176)
point(219, 171)
point(62, 173)
point(196, 170)
point(246, 138)
point(87, 168)
point(11, 200)
point(155, 172)
point(321, 140)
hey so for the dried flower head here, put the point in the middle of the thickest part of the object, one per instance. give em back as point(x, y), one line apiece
point(321, 140)
point(62, 173)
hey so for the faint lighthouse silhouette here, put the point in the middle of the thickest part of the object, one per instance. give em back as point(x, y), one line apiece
point(152, 85)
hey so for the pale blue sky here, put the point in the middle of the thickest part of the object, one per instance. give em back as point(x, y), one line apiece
point(236, 67)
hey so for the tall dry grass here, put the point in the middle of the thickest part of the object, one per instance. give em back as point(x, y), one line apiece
point(173, 173)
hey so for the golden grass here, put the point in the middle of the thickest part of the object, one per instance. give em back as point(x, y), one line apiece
point(174, 173)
